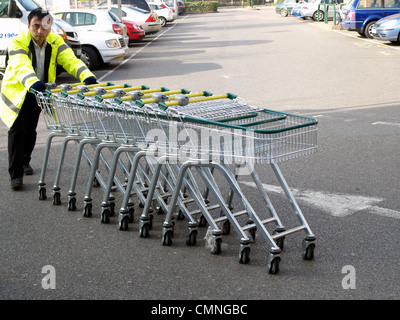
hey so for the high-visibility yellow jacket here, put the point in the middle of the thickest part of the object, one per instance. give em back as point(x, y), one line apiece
point(20, 73)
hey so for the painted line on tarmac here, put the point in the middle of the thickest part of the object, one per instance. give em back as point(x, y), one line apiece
point(139, 50)
point(376, 42)
point(337, 205)
point(387, 123)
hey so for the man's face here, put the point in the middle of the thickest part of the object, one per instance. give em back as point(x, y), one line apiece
point(39, 29)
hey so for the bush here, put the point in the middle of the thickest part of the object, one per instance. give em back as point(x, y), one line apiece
point(201, 6)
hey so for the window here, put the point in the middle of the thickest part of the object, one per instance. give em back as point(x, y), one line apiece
point(392, 3)
point(4, 8)
point(80, 18)
point(369, 4)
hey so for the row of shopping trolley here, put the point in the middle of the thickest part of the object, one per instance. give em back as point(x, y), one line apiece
point(179, 153)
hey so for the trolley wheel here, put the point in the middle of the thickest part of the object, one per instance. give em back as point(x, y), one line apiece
point(42, 193)
point(112, 209)
point(87, 210)
point(123, 226)
point(226, 227)
point(131, 211)
point(167, 238)
point(273, 265)
point(56, 198)
point(180, 215)
point(308, 252)
point(96, 182)
point(72, 204)
point(244, 256)
point(280, 242)
point(191, 238)
point(105, 216)
point(144, 231)
point(202, 222)
point(216, 246)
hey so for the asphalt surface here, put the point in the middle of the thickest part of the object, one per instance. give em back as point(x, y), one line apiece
point(348, 190)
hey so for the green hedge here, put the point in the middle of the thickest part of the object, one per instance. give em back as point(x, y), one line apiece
point(201, 6)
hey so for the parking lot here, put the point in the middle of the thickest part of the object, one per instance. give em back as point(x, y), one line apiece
point(348, 190)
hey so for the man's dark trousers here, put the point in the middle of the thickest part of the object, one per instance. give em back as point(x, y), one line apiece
point(22, 137)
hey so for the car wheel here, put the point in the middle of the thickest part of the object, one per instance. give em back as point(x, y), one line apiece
point(163, 21)
point(321, 15)
point(284, 13)
point(368, 28)
point(90, 58)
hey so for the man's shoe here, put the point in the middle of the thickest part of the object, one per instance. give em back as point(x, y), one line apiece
point(16, 184)
point(28, 169)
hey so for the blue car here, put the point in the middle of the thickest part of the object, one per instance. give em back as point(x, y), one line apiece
point(387, 29)
point(361, 15)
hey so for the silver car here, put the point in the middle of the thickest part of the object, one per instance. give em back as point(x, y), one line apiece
point(315, 10)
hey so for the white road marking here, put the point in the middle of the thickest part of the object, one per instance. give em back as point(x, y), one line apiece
point(138, 51)
point(338, 205)
point(387, 123)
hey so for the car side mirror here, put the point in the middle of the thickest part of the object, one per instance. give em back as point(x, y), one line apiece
point(13, 11)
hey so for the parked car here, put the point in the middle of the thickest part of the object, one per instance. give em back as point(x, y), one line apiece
point(98, 47)
point(166, 4)
point(387, 29)
point(311, 9)
point(361, 15)
point(181, 7)
point(148, 20)
point(134, 30)
point(165, 14)
point(296, 11)
point(285, 8)
point(142, 4)
point(94, 20)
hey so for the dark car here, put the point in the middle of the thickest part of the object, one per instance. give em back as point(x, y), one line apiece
point(181, 7)
point(361, 15)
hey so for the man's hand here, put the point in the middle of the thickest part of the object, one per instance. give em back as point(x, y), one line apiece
point(39, 86)
point(90, 80)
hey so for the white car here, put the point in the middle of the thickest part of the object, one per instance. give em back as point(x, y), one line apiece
point(165, 14)
point(310, 10)
point(94, 20)
point(100, 48)
point(147, 19)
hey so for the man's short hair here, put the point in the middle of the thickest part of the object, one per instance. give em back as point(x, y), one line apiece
point(39, 13)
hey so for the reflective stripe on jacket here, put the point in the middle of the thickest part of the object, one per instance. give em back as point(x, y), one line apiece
point(20, 73)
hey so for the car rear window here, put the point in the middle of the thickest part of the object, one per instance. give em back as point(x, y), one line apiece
point(369, 4)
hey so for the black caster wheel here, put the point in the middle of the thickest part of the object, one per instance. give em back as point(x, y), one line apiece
point(72, 204)
point(56, 198)
point(144, 231)
point(180, 215)
point(191, 238)
point(273, 265)
point(226, 227)
point(123, 225)
point(42, 193)
point(216, 247)
point(87, 210)
point(308, 252)
point(96, 183)
point(105, 216)
point(202, 222)
point(244, 256)
point(131, 211)
point(167, 238)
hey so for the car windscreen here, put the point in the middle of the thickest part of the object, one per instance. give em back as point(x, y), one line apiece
point(29, 5)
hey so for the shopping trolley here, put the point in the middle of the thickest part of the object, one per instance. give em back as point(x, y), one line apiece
point(250, 135)
point(271, 137)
